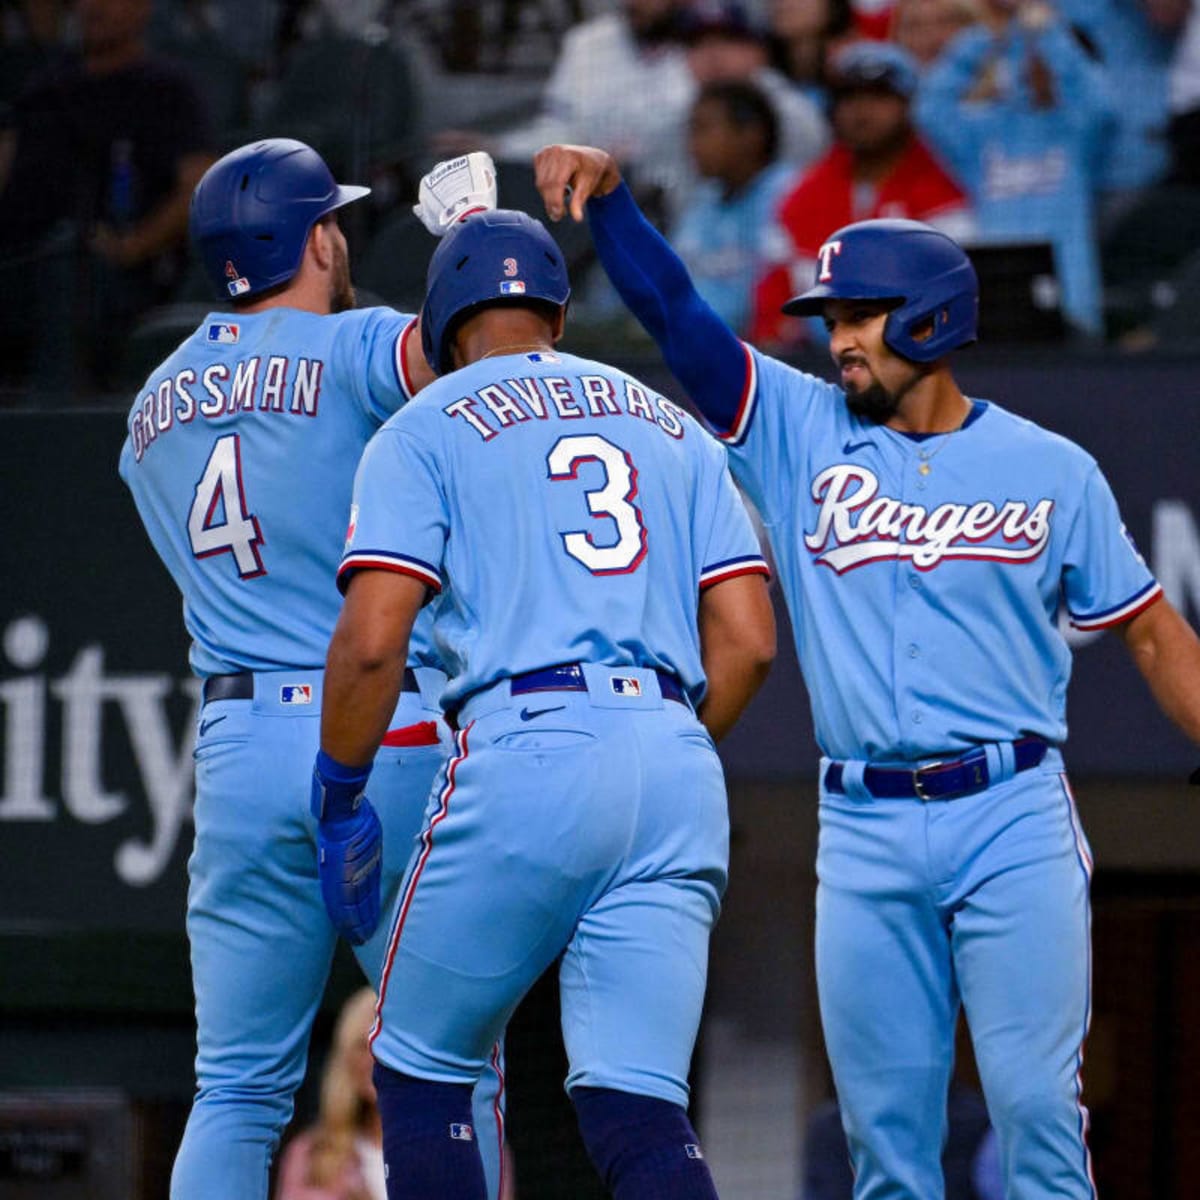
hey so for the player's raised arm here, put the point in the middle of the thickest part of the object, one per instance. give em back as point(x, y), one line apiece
point(737, 647)
point(701, 350)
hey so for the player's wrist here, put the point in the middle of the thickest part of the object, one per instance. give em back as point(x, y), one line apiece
point(337, 788)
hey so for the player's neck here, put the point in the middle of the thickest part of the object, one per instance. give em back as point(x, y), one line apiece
point(298, 295)
point(499, 330)
point(934, 404)
point(519, 348)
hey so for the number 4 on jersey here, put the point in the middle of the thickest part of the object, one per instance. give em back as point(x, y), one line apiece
point(220, 492)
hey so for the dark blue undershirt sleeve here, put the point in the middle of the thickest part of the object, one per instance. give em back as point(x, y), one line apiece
point(702, 352)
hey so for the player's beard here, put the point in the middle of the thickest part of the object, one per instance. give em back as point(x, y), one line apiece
point(343, 297)
point(875, 403)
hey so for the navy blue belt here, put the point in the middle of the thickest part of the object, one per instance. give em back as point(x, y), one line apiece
point(241, 685)
point(946, 780)
point(569, 677)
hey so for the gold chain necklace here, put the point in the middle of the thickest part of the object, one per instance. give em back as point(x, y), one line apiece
point(927, 456)
point(518, 348)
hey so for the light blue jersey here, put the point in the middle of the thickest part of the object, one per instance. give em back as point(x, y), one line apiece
point(570, 519)
point(581, 546)
point(924, 575)
point(244, 518)
point(240, 456)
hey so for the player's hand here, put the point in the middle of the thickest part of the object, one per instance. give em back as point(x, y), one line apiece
point(349, 848)
point(578, 171)
point(455, 188)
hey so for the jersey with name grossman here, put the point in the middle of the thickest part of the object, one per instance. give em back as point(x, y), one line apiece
point(924, 575)
point(240, 455)
point(565, 512)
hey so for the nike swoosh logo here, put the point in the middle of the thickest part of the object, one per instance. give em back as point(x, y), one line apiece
point(850, 447)
point(205, 726)
point(527, 714)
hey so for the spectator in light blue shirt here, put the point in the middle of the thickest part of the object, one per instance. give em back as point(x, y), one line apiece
point(733, 137)
point(1134, 41)
point(1023, 116)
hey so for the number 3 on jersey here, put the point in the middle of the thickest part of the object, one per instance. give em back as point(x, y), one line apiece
point(220, 490)
point(611, 500)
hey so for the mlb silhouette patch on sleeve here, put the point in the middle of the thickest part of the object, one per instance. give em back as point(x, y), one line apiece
point(224, 333)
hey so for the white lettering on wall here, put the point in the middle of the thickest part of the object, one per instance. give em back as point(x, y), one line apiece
point(85, 693)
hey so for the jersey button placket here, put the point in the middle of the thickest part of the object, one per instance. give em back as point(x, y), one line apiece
point(910, 620)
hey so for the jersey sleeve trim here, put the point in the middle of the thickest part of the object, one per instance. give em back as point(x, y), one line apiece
point(1122, 612)
point(739, 427)
point(402, 376)
point(730, 568)
point(383, 560)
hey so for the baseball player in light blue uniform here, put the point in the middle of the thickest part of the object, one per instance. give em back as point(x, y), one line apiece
point(579, 532)
point(924, 542)
point(240, 456)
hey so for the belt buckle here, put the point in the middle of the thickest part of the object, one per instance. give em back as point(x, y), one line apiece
point(918, 787)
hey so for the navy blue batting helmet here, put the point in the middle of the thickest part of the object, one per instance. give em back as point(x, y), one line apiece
point(494, 257)
point(252, 210)
point(925, 273)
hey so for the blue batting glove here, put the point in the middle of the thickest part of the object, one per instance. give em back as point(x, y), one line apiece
point(349, 848)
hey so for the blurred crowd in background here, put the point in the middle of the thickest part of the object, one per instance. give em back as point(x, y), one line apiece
point(1058, 139)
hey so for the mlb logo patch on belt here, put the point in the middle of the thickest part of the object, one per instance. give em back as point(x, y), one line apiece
point(295, 693)
point(625, 685)
point(461, 1133)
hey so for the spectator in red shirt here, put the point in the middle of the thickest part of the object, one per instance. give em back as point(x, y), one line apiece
point(877, 167)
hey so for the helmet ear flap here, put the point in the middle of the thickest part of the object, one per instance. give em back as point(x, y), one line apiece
point(942, 317)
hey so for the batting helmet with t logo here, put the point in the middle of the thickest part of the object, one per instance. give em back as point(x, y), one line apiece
point(497, 257)
point(922, 271)
point(252, 210)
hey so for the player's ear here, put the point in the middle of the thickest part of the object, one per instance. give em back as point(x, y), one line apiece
point(559, 324)
point(320, 244)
